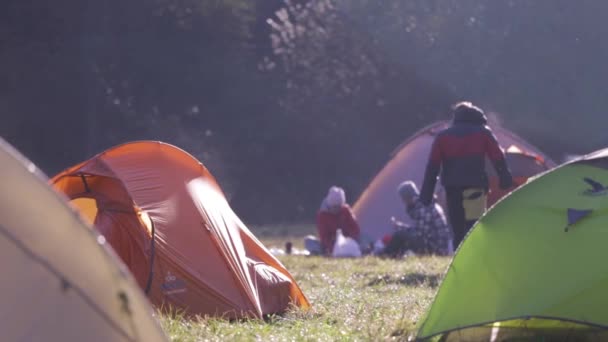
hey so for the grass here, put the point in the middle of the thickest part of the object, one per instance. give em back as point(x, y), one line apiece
point(366, 299)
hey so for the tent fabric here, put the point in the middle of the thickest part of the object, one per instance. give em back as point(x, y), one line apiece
point(61, 281)
point(379, 201)
point(520, 272)
point(203, 260)
point(575, 215)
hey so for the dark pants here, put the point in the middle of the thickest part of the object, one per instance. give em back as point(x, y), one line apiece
point(456, 214)
point(403, 240)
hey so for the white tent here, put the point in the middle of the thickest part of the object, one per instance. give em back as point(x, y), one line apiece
point(379, 201)
point(60, 280)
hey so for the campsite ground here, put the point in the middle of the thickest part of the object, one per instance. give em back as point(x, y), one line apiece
point(367, 299)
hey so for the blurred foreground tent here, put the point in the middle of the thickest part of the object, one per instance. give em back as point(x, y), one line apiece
point(60, 280)
point(167, 218)
point(534, 267)
point(379, 201)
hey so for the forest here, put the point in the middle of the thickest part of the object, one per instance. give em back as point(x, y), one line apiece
point(281, 99)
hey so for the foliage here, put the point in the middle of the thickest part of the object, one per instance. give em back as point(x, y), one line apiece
point(342, 103)
point(533, 62)
point(283, 98)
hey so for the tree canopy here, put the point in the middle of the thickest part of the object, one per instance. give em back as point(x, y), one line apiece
point(282, 98)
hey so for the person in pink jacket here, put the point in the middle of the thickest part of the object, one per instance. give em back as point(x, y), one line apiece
point(334, 214)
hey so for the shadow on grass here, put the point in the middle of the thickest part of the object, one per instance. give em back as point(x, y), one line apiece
point(410, 279)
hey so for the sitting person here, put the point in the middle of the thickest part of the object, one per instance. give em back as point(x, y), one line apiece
point(334, 214)
point(402, 240)
point(429, 233)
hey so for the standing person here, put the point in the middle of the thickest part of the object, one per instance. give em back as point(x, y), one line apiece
point(459, 152)
point(335, 214)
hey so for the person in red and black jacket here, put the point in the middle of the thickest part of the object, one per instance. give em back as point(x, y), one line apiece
point(335, 214)
point(460, 152)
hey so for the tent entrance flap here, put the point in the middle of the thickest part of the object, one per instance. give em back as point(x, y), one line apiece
point(87, 207)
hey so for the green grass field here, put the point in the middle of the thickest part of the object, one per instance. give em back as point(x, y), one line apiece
point(366, 299)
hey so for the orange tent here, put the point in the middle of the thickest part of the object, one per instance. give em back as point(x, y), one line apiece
point(379, 201)
point(167, 218)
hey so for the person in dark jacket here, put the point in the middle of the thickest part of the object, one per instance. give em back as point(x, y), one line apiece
point(459, 152)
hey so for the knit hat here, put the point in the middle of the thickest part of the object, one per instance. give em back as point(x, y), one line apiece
point(407, 190)
point(468, 112)
point(335, 197)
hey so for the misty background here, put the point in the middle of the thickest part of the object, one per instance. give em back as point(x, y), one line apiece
point(281, 99)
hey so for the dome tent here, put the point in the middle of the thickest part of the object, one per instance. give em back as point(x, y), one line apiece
point(533, 267)
point(62, 282)
point(166, 216)
point(379, 201)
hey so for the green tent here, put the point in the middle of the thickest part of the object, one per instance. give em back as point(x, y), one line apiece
point(534, 268)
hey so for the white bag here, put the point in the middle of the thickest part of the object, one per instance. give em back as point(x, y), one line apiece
point(378, 247)
point(345, 246)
